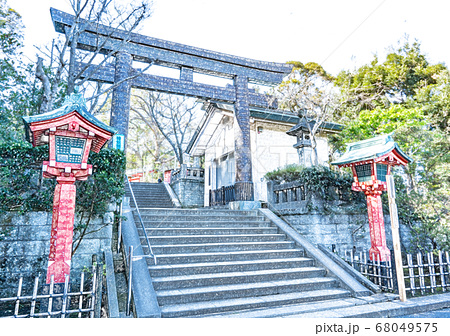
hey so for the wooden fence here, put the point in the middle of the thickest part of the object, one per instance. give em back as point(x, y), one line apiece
point(70, 299)
point(427, 273)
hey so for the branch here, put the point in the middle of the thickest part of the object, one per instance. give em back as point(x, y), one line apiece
point(120, 82)
point(40, 74)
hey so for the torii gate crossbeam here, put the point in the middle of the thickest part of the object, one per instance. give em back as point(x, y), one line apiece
point(130, 46)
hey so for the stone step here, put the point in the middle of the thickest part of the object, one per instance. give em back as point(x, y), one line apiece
point(146, 192)
point(205, 224)
point(160, 206)
point(164, 231)
point(172, 259)
point(228, 266)
point(215, 279)
point(220, 247)
point(146, 186)
point(199, 239)
point(221, 292)
point(152, 203)
point(152, 198)
point(155, 205)
point(150, 195)
point(195, 218)
point(141, 186)
point(312, 309)
point(204, 309)
point(206, 211)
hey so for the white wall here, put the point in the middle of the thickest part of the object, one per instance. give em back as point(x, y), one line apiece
point(271, 148)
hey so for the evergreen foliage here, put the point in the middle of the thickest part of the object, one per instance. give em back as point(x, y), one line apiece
point(317, 179)
point(23, 189)
point(410, 98)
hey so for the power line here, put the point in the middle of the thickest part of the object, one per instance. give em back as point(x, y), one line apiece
point(354, 30)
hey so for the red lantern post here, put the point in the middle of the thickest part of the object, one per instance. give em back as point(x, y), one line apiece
point(371, 160)
point(71, 133)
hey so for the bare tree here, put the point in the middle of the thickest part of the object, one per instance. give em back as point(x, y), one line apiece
point(308, 91)
point(146, 144)
point(173, 116)
point(64, 57)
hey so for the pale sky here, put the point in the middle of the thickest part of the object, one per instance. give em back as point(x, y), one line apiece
point(339, 34)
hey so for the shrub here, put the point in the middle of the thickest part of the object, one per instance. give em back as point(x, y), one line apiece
point(23, 189)
point(319, 179)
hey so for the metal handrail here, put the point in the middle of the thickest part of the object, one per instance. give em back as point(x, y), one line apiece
point(142, 223)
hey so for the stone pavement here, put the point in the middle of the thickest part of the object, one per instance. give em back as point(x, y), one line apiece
point(442, 313)
point(422, 307)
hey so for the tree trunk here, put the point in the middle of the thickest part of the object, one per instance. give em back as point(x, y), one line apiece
point(46, 85)
point(411, 186)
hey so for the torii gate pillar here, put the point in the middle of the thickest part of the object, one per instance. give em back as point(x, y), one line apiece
point(120, 105)
point(243, 187)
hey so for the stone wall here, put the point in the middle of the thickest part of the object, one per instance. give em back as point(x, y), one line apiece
point(345, 230)
point(190, 192)
point(25, 243)
point(334, 222)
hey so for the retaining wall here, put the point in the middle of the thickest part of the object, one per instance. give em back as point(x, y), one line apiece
point(25, 244)
point(190, 192)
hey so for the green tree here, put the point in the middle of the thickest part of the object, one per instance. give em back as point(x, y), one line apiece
point(409, 97)
point(397, 80)
point(18, 95)
point(435, 101)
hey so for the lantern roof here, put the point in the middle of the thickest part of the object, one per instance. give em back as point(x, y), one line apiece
point(302, 126)
point(74, 102)
point(375, 149)
point(73, 109)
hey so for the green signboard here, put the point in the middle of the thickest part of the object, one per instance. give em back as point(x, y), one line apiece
point(69, 150)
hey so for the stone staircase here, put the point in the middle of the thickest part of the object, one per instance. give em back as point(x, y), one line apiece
point(150, 195)
point(231, 263)
point(220, 262)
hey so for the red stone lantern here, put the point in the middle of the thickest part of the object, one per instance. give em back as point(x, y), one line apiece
point(371, 160)
point(71, 132)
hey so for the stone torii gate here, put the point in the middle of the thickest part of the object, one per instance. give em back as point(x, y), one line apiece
point(188, 60)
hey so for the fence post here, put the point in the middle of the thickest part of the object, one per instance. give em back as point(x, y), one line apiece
point(441, 271)
point(98, 283)
point(222, 191)
point(33, 300)
point(50, 299)
point(412, 278)
point(130, 272)
point(421, 273)
point(431, 271)
point(396, 238)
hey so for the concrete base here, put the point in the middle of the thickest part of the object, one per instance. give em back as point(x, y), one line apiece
point(244, 205)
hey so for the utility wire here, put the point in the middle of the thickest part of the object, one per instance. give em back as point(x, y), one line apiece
point(349, 35)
